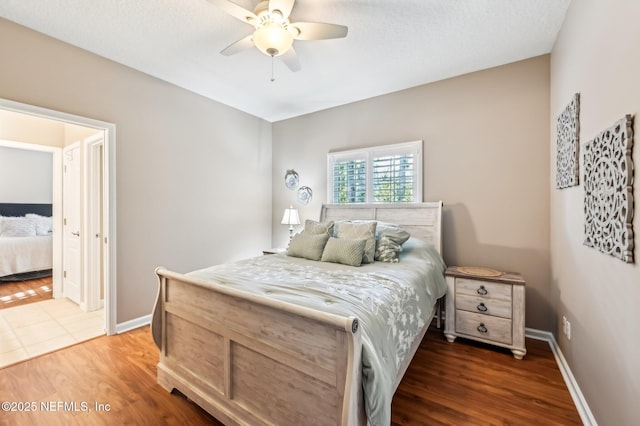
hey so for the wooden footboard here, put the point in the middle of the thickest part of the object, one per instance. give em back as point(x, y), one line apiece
point(247, 359)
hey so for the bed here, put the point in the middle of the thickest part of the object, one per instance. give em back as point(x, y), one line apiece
point(244, 343)
point(25, 238)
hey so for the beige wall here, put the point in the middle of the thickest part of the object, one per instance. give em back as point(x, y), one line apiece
point(486, 151)
point(596, 54)
point(193, 176)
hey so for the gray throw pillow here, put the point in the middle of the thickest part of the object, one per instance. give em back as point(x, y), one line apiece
point(389, 241)
point(394, 232)
point(362, 230)
point(345, 251)
point(314, 227)
point(308, 246)
point(387, 250)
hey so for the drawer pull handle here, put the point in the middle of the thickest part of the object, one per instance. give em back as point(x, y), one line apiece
point(481, 328)
point(482, 291)
point(482, 308)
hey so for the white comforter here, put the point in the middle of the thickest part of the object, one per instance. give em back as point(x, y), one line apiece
point(25, 254)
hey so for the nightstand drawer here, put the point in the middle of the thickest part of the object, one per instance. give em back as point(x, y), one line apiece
point(485, 289)
point(483, 326)
point(484, 306)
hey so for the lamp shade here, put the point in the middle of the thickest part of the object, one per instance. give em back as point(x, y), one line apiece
point(290, 217)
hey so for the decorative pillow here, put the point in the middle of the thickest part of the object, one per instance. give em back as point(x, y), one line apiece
point(308, 246)
point(394, 232)
point(44, 224)
point(358, 230)
point(346, 251)
point(18, 227)
point(313, 227)
point(387, 250)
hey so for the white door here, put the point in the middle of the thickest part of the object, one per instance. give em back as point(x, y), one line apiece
point(93, 225)
point(71, 257)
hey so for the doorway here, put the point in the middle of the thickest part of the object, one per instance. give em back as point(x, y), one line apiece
point(97, 219)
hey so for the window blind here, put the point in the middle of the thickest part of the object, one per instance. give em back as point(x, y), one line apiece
point(350, 181)
point(380, 174)
point(393, 179)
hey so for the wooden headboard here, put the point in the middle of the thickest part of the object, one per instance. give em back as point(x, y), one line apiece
point(421, 220)
point(18, 209)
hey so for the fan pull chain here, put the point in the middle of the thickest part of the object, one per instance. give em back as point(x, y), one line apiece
point(272, 77)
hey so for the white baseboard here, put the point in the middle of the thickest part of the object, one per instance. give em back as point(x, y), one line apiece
point(134, 323)
point(576, 394)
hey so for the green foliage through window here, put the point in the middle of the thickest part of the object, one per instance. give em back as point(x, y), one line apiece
point(393, 179)
point(350, 182)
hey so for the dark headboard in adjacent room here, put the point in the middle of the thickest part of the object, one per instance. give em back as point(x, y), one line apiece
point(18, 209)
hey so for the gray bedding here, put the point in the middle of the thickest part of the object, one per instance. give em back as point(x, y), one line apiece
point(392, 301)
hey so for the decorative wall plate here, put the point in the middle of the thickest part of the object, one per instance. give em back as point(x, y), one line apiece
point(608, 191)
point(304, 195)
point(291, 179)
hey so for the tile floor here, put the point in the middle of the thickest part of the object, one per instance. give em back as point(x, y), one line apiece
point(37, 328)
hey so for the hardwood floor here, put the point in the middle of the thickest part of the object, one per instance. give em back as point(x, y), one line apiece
point(18, 293)
point(461, 383)
point(118, 372)
point(468, 383)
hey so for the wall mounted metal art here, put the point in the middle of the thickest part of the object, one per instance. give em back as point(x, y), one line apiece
point(291, 179)
point(305, 194)
point(568, 145)
point(608, 186)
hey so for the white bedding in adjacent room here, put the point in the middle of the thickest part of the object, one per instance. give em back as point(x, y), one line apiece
point(25, 254)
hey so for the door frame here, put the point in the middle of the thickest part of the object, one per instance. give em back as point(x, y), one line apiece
point(109, 196)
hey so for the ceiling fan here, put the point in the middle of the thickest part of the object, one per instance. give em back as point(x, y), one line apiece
point(274, 33)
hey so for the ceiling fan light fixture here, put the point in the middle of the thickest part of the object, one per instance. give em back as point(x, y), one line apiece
point(274, 33)
point(273, 39)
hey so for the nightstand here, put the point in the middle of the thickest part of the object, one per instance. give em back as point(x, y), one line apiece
point(274, 251)
point(486, 305)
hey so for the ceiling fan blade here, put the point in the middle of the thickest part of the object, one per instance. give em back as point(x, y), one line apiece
point(284, 6)
point(290, 59)
point(238, 46)
point(236, 11)
point(319, 30)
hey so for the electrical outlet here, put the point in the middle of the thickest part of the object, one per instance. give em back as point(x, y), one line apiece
point(568, 332)
point(564, 325)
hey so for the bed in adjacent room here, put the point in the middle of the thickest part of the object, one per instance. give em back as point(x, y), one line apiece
point(315, 336)
point(25, 240)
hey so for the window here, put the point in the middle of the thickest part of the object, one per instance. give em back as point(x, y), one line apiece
point(383, 174)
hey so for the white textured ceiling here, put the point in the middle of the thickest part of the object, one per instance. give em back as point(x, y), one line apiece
point(391, 45)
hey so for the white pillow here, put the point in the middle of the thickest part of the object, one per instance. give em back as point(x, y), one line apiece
point(18, 227)
point(44, 224)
